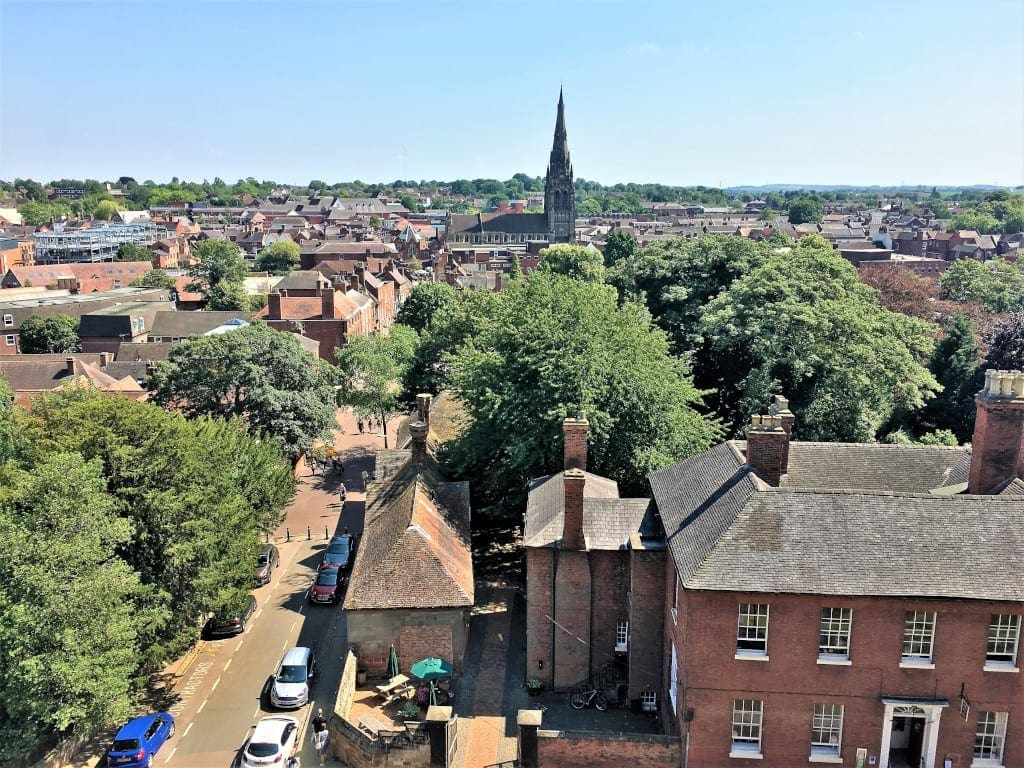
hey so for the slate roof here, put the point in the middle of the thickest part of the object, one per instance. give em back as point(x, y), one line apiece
point(130, 351)
point(415, 550)
point(605, 515)
point(184, 324)
point(511, 223)
point(1013, 488)
point(302, 280)
point(819, 533)
point(26, 375)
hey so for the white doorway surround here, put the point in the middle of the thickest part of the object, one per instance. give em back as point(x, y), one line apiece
point(927, 710)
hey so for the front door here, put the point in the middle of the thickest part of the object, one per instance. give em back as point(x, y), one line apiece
point(915, 743)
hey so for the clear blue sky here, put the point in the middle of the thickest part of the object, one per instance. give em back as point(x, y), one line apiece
point(673, 92)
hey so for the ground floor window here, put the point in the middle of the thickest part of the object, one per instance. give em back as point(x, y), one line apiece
point(989, 739)
point(827, 730)
point(746, 726)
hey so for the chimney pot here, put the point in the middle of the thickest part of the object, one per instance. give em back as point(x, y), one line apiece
point(69, 365)
point(997, 451)
point(768, 448)
point(418, 431)
point(423, 401)
point(574, 433)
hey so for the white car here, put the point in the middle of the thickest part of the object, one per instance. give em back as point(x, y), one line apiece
point(272, 742)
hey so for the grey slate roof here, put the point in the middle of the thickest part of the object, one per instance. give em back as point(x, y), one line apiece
point(819, 533)
point(511, 223)
point(1013, 488)
point(876, 544)
point(607, 520)
point(185, 324)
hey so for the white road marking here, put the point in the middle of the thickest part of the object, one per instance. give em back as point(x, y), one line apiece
point(293, 626)
point(215, 684)
point(172, 754)
point(258, 612)
point(189, 728)
point(285, 645)
point(240, 645)
point(229, 661)
point(201, 706)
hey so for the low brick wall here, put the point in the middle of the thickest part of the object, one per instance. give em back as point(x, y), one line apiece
point(347, 686)
point(579, 749)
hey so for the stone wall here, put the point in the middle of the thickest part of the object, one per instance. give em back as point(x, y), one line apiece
point(347, 686)
point(354, 748)
point(575, 749)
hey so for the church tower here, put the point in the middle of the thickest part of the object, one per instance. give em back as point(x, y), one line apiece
point(559, 193)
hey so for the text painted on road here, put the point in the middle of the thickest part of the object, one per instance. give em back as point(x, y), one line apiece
point(190, 687)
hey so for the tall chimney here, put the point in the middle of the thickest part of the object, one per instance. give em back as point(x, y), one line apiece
point(69, 366)
point(423, 401)
point(418, 431)
point(768, 448)
point(780, 408)
point(327, 303)
point(575, 436)
point(274, 306)
point(997, 452)
point(572, 526)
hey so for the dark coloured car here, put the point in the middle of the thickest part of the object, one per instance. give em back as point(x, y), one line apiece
point(326, 586)
point(339, 552)
point(225, 626)
point(267, 560)
point(140, 739)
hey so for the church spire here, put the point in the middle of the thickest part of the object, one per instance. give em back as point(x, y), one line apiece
point(560, 146)
point(559, 191)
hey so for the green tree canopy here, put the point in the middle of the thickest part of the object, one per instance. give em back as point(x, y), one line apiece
point(216, 260)
point(105, 210)
point(803, 325)
point(372, 370)
point(227, 296)
point(35, 213)
point(133, 252)
point(1006, 346)
point(426, 301)
point(804, 210)
point(279, 258)
point(549, 347)
point(997, 285)
point(257, 373)
point(575, 261)
point(955, 365)
point(155, 278)
point(515, 269)
point(48, 335)
point(619, 245)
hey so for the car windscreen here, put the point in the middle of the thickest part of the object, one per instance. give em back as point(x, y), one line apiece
point(327, 578)
point(125, 745)
point(292, 674)
point(262, 749)
point(262, 559)
point(338, 547)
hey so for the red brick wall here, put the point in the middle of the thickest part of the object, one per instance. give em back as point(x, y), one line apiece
point(767, 451)
point(572, 611)
point(575, 450)
point(538, 608)
point(998, 442)
point(792, 681)
point(646, 620)
point(557, 749)
point(425, 642)
point(572, 523)
point(609, 603)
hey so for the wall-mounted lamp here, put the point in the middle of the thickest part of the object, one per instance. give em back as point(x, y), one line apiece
point(540, 663)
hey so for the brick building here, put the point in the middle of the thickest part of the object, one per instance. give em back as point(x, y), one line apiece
point(851, 604)
point(595, 566)
point(412, 581)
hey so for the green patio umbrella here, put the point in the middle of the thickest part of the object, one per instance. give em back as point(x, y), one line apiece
point(392, 662)
point(431, 669)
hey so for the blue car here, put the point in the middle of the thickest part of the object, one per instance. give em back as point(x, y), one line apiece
point(140, 739)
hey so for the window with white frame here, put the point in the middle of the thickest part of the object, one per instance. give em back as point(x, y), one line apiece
point(826, 730)
point(673, 674)
point(989, 739)
point(11, 340)
point(622, 636)
point(752, 630)
point(834, 634)
point(8, 321)
point(918, 637)
point(1003, 638)
point(746, 726)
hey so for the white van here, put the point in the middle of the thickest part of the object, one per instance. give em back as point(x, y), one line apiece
point(290, 688)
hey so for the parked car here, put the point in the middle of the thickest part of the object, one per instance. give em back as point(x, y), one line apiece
point(290, 688)
point(272, 742)
point(225, 626)
point(339, 552)
point(140, 739)
point(267, 560)
point(326, 586)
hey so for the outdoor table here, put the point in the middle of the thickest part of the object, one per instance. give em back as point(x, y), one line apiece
point(397, 681)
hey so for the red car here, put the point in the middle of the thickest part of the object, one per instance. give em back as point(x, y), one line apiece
point(327, 586)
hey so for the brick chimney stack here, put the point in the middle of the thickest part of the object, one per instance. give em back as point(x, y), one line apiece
point(768, 448)
point(572, 525)
point(327, 311)
point(69, 365)
point(423, 401)
point(780, 408)
point(274, 306)
point(418, 431)
point(575, 435)
point(997, 452)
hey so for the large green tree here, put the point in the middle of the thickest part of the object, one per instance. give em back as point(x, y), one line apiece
point(955, 365)
point(216, 260)
point(48, 335)
point(1006, 345)
point(372, 371)
point(227, 296)
point(619, 245)
point(575, 261)
point(997, 285)
point(155, 278)
point(67, 626)
point(279, 258)
point(257, 373)
point(804, 210)
point(803, 325)
point(549, 348)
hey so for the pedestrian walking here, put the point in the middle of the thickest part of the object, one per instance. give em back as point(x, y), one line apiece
point(360, 425)
point(319, 722)
point(320, 742)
